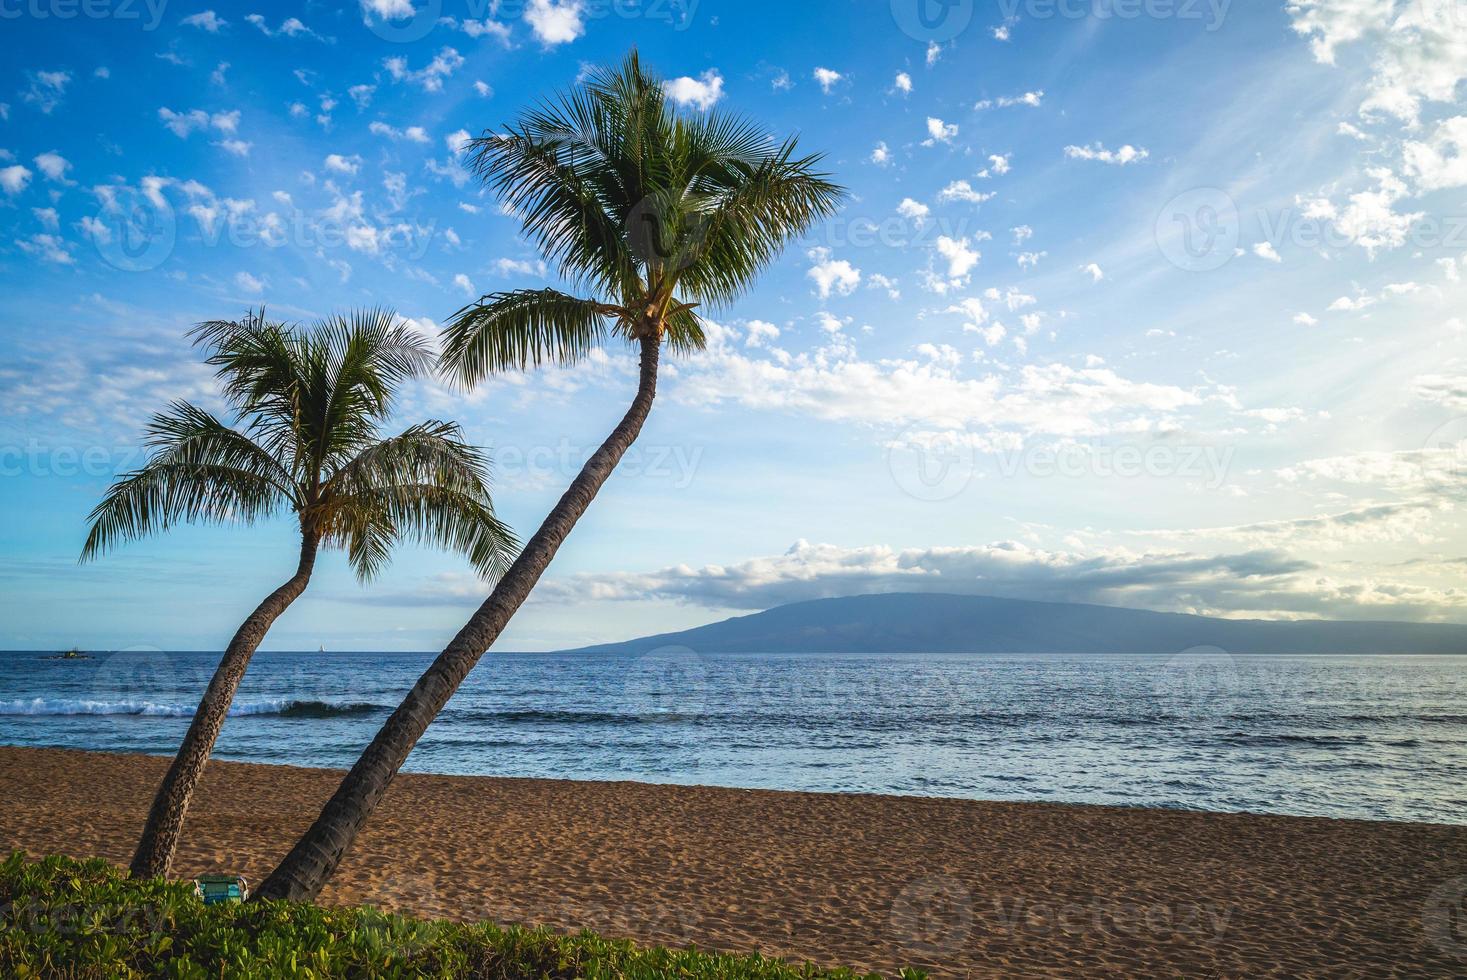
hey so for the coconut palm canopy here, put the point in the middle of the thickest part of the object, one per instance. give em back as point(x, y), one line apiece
point(657, 213)
point(309, 404)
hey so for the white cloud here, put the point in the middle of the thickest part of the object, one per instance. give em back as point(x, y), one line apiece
point(827, 79)
point(1439, 162)
point(555, 21)
point(249, 283)
point(1032, 100)
point(903, 82)
point(95, 229)
point(338, 164)
point(413, 134)
point(1094, 271)
point(483, 88)
point(998, 165)
point(960, 258)
point(46, 89)
point(47, 217)
point(831, 275)
point(1262, 582)
point(939, 131)
point(961, 190)
point(429, 78)
point(13, 179)
point(206, 21)
point(701, 93)
point(934, 51)
point(878, 281)
point(239, 148)
point(1305, 320)
point(1000, 33)
point(1369, 218)
point(182, 124)
point(1265, 250)
point(54, 166)
point(464, 283)
point(290, 27)
point(881, 156)
point(1125, 155)
point(758, 333)
point(49, 248)
point(1420, 53)
point(914, 211)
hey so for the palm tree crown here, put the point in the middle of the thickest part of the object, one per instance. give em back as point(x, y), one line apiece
point(309, 403)
point(657, 212)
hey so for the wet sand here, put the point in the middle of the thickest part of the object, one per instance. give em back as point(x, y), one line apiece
point(964, 889)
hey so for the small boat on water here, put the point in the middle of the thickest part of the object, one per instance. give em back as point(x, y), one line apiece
point(72, 654)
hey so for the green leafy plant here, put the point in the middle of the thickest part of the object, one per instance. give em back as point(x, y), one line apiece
point(61, 917)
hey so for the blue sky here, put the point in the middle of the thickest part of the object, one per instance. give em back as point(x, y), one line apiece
point(1147, 303)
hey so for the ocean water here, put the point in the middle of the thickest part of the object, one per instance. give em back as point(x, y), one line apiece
point(1370, 737)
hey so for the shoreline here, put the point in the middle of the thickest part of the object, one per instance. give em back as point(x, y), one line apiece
point(959, 887)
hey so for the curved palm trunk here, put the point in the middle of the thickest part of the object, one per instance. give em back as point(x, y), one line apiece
point(313, 860)
point(154, 852)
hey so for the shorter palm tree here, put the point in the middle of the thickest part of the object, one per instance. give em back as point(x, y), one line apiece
point(309, 402)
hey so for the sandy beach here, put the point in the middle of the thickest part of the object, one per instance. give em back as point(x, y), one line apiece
point(964, 889)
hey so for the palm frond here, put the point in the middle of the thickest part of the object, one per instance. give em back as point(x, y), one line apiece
point(522, 328)
point(424, 485)
point(199, 470)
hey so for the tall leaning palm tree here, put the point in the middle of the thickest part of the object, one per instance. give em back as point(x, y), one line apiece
point(309, 403)
point(654, 214)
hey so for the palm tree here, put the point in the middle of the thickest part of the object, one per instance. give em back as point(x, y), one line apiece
point(309, 402)
point(656, 213)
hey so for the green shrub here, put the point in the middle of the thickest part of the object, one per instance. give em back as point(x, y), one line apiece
point(82, 919)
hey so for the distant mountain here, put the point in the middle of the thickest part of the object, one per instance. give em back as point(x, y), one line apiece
point(926, 623)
